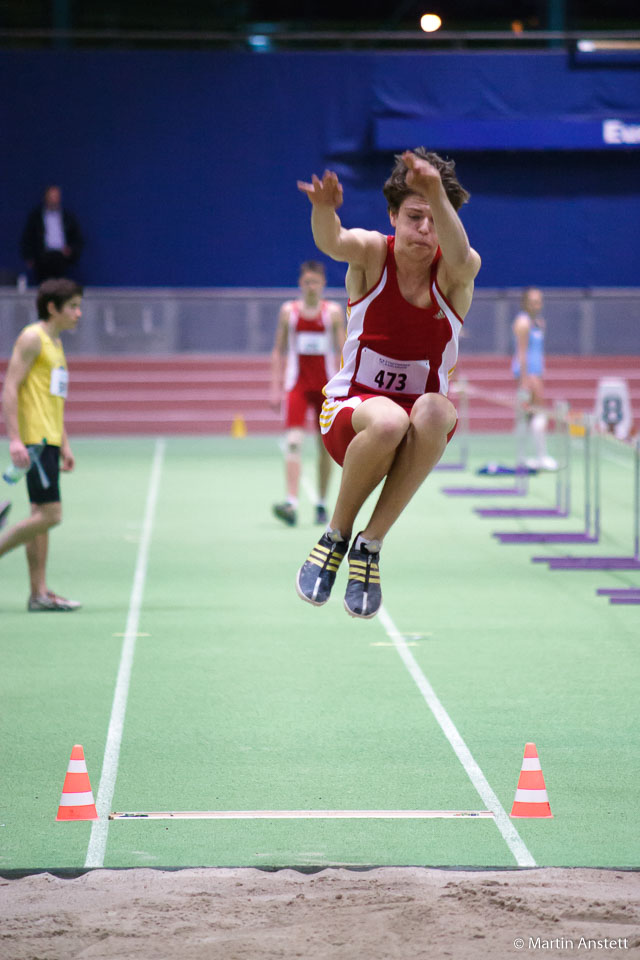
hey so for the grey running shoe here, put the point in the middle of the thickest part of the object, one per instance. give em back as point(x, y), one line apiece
point(51, 602)
point(321, 514)
point(5, 506)
point(286, 512)
point(317, 574)
point(364, 595)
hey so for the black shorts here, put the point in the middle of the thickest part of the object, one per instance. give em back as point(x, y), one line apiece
point(43, 478)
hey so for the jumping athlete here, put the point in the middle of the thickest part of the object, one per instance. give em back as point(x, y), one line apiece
point(528, 367)
point(33, 399)
point(386, 413)
point(306, 353)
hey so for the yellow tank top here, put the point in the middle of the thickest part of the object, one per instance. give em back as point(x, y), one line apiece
point(42, 393)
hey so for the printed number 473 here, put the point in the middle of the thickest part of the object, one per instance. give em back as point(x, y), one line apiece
point(395, 381)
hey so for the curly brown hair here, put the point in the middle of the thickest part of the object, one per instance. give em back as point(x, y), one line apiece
point(396, 189)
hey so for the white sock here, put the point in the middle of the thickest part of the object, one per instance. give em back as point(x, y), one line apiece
point(538, 432)
point(371, 546)
point(334, 535)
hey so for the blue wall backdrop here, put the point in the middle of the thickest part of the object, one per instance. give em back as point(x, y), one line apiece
point(182, 166)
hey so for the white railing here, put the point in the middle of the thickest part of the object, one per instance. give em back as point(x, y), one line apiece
point(216, 320)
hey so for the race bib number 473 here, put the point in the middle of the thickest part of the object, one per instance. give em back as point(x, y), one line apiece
point(403, 377)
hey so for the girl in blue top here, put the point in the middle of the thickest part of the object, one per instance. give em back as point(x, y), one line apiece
point(528, 367)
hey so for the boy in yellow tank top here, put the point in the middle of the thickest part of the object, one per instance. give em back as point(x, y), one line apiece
point(33, 398)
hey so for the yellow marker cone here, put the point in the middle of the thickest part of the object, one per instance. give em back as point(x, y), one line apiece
point(238, 427)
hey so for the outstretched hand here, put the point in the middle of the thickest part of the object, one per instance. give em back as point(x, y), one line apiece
point(422, 176)
point(323, 193)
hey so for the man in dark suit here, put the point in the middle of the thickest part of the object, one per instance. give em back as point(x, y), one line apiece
point(51, 240)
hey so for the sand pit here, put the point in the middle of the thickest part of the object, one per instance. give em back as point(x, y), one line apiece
point(390, 913)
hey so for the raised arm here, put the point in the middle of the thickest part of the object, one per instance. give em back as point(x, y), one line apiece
point(348, 246)
point(461, 262)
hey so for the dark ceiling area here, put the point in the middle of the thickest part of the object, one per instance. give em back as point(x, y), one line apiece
point(337, 15)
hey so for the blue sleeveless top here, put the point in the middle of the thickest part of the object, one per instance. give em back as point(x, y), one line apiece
point(535, 353)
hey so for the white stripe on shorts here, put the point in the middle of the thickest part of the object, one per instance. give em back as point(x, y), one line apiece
point(331, 408)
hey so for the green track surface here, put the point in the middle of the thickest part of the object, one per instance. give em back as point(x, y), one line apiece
point(244, 698)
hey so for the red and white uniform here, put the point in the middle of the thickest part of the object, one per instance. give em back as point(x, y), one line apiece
point(310, 362)
point(393, 349)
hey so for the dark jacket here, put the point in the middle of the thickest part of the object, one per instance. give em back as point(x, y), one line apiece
point(32, 244)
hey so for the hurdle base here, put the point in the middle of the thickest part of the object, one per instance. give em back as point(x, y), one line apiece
point(545, 538)
point(618, 592)
point(482, 492)
point(519, 512)
point(594, 563)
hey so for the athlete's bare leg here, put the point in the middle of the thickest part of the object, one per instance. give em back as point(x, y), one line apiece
point(324, 470)
point(536, 421)
point(536, 389)
point(432, 418)
point(37, 552)
point(380, 426)
point(43, 516)
point(293, 462)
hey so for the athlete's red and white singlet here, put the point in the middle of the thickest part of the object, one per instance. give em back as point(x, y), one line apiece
point(393, 349)
point(310, 362)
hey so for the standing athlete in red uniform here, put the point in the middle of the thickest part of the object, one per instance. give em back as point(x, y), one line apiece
point(387, 412)
point(305, 355)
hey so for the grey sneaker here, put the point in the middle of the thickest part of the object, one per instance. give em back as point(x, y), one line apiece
point(317, 574)
point(286, 512)
point(51, 602)
point(5, 506)
point(364, 594)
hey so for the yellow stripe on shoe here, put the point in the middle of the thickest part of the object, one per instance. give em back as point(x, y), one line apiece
point(363, 596)
point(317, 574)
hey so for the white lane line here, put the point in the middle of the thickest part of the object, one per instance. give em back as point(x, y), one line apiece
point(100, 828)
point(302, 815)
point(309, 489)
point(509, 833)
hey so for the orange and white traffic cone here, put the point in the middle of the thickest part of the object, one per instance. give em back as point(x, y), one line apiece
point(531, 794)
point(76, 802)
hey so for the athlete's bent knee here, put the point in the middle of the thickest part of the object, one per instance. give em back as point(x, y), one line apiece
point(389, 425)
point(293, 443)
point(433, 411)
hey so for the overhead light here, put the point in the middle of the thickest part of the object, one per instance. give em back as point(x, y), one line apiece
point(591, 46)
point(606, 52)
point(430, 22)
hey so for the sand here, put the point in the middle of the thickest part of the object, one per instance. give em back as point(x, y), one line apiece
point(388, 913)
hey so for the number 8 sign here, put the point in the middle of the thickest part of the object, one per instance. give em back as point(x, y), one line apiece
point(613, 406)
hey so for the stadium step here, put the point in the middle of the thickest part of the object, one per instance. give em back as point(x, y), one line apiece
point(205, 393)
